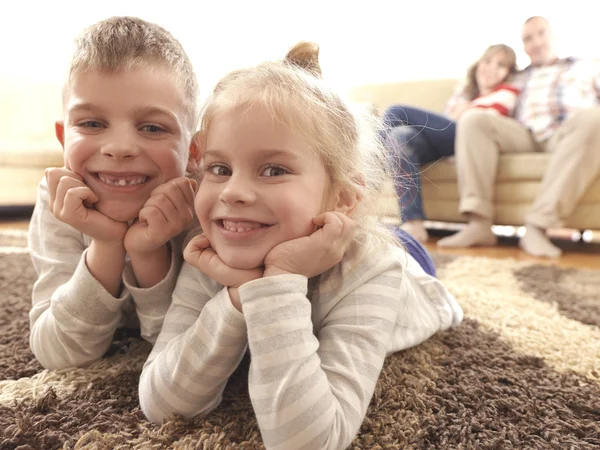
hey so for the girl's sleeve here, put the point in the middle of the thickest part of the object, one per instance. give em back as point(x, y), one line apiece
point(201, 343)
point(312, 392)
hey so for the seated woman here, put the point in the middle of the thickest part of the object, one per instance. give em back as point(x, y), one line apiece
point(415, 136)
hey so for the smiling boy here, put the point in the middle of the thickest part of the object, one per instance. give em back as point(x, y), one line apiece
point(107, 230)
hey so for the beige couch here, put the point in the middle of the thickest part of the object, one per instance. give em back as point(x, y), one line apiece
point(27, 143)
point(518, 178)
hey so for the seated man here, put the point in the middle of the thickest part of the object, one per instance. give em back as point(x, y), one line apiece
point(558, 112)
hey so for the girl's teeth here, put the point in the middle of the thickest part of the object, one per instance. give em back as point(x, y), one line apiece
point(240, 227)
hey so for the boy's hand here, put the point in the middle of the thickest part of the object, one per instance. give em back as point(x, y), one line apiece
point(312, 255)
point(71, 201)
point(199, 254)
point(168, 211)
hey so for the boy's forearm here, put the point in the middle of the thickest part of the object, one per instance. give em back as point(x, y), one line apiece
point(106, 261)
point(151, 268)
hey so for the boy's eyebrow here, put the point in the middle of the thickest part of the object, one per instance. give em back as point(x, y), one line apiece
point(143, 110)
point(83, 106)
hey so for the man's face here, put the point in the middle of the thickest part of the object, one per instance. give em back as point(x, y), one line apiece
point(538, 41)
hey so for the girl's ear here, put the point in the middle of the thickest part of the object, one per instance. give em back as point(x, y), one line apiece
point(194, 156)
point(347, 202)
point(348, 199)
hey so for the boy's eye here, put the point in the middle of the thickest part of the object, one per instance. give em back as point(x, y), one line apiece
point(274, 171)
point(153, 129)
point(91, 124)
point(219, 170)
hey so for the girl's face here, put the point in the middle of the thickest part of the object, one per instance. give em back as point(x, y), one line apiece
point(491, 71)
point(262, 185)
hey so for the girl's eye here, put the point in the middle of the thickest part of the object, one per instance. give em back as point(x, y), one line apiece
point(274, 171)
point(219, 170)
point(153, 129)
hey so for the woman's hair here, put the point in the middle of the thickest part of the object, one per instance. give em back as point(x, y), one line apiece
point(471, 90)
point(345, 139)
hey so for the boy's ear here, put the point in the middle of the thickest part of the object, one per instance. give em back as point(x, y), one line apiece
point(59, 130)
point(194, 156)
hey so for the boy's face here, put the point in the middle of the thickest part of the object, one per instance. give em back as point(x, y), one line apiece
point(125, 133)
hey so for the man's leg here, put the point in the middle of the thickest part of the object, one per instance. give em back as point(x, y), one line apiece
point(574, 164)
point(480, 137)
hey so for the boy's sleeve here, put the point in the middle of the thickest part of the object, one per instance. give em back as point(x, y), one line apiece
point(151, 304)
point(202, 341)
point(73, 318)
point(313, 391)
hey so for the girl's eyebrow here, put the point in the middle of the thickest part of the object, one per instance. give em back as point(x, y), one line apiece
point(216, 153)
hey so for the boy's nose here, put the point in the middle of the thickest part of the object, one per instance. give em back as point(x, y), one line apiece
point(120, 147)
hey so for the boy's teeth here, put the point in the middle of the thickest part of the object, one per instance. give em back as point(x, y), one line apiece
point(122, 181)
point(230, 225)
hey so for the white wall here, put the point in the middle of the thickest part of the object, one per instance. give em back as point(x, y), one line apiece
point(370, 41)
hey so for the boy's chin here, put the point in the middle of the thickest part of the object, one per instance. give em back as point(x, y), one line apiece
point(117, 211)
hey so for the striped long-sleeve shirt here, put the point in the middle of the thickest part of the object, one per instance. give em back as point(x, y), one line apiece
point(73, 317)
point(316, 346)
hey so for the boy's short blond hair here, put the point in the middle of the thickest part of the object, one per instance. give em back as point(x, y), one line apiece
point(122, 43)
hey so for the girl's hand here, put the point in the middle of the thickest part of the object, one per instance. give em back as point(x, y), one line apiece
point(168, 211)
point(71, 201)
point(199, 254)
point(312, 255)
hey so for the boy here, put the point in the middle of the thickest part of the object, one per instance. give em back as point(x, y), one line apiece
point(107, 229)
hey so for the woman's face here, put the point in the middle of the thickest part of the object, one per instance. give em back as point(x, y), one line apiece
point(492, 70)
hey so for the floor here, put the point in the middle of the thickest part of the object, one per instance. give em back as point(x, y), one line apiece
point(575, 254)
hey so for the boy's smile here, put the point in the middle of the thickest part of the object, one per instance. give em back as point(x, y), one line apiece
point(125, 133)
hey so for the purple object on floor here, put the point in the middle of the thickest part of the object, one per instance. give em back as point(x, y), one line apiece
point(416, 250)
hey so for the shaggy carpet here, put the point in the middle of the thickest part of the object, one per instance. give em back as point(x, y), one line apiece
point(522, 371)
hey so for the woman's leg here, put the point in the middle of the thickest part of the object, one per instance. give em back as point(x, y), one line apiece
point(435, 129)
point(403, 147)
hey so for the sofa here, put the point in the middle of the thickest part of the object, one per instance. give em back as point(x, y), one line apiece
point(519, 175)
point(27, 141)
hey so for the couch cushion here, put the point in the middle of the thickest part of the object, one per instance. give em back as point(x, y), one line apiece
point(512, 167)
point(34, 155)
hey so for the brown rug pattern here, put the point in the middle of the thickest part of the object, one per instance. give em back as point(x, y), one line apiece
point(521, 372)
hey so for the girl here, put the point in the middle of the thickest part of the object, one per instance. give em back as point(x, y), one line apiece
point(290, 265)
point(415, 136)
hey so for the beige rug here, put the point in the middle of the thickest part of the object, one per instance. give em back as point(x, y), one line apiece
point(523, 371)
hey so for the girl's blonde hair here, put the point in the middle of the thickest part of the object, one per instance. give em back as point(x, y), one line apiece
point(344, 138)
point(471, 90)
